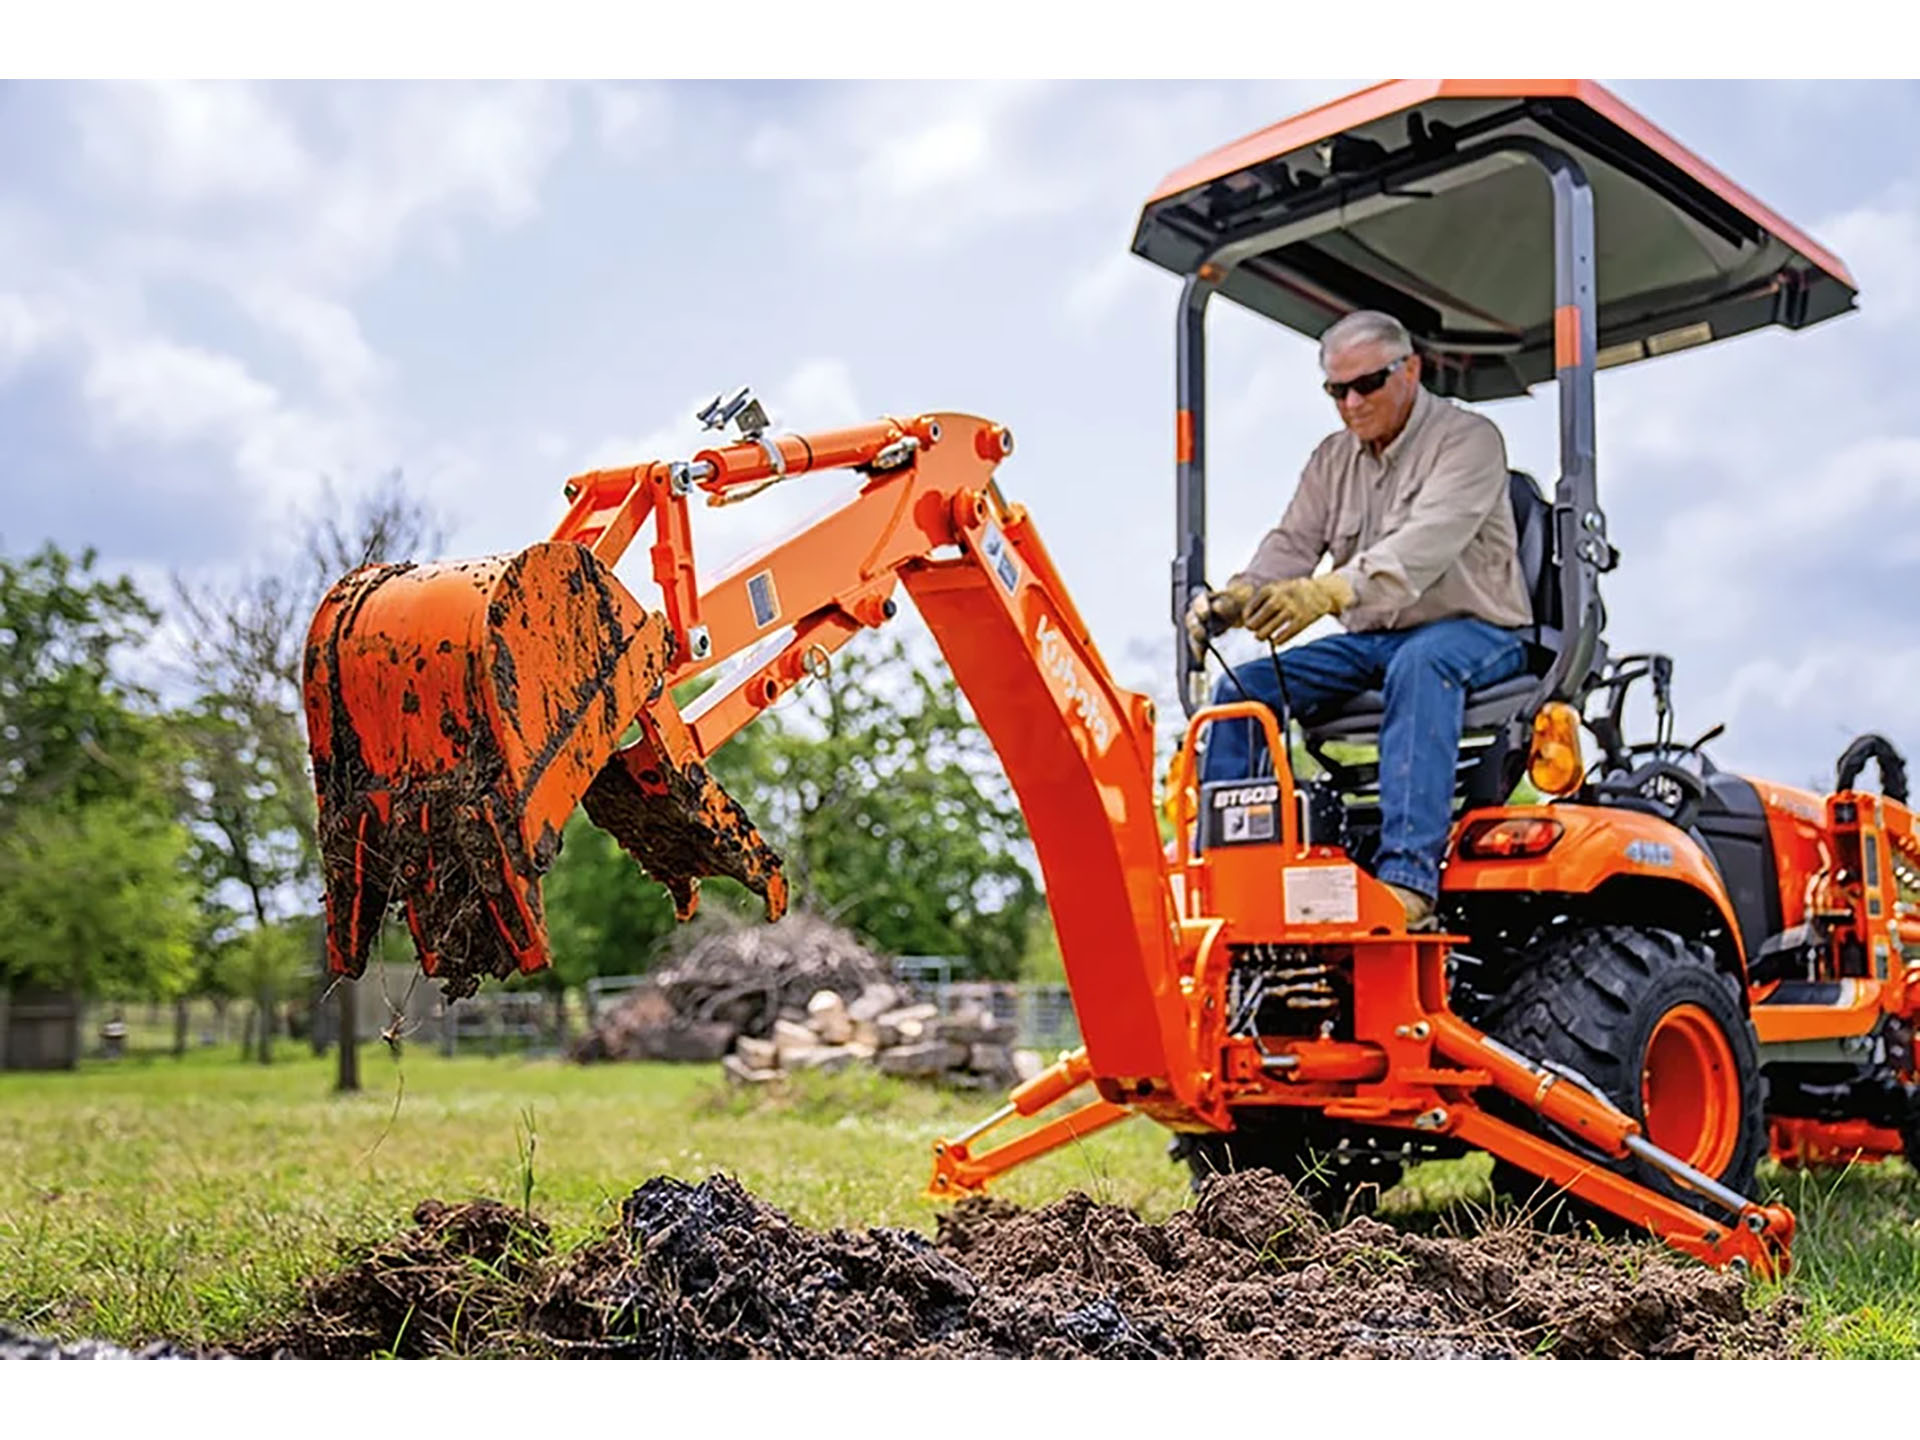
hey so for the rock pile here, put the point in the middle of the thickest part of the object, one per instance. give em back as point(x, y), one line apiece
point(882, 1026)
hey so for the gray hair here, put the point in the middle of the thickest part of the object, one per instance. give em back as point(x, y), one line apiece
point(1364, 327)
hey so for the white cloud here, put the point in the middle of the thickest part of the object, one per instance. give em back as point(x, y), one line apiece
point(27, 326)
point(631, 119)
point(324, 332)
point(287, 204)
point(187, 144)
point(912, 166)
point(315, 189)
point(1879, 242)
point(417, 165)
point(819, 394)
point(1867, 491)
point(151, 394)
point(156, 390)
point(1103, 284)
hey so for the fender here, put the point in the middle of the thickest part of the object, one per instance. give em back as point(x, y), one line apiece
point(1600, 844)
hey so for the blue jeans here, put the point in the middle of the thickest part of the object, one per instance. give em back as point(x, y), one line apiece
point(1425, 674)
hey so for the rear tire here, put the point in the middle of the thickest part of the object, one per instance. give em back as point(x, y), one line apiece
point(1649, 1018)
point(1338, 1180)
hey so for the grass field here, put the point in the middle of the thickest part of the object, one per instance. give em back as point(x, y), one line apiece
point(188, 1199)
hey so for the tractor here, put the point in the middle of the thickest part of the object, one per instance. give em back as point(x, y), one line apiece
point(1649, 972)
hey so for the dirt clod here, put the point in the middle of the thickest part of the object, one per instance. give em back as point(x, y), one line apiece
point(454, 1280)
point(709, 1270)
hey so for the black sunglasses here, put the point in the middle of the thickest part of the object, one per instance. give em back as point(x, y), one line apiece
point(1362, 384)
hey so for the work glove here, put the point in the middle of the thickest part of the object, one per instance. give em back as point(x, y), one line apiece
point(1212, 611)
point(1282, 609)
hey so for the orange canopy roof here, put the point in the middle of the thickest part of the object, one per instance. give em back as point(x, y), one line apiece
point(1365, 208)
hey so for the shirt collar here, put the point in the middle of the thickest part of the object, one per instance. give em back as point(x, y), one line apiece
point(1423, 407)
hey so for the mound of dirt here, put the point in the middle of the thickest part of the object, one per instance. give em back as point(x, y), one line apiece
point(711, 1271)
point(457, 1278)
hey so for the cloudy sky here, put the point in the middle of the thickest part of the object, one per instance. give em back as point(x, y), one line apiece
point(215, 299)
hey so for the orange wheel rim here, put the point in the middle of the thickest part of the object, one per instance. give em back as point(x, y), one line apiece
point(1690, 1090)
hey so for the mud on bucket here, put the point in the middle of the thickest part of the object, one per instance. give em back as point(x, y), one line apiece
point(457, 712)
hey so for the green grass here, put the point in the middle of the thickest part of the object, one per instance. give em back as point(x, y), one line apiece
point(189, 1199)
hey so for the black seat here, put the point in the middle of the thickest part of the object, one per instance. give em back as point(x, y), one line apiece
point(1732, 827)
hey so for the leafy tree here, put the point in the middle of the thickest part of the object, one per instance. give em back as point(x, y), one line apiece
point(893, 812)
point(603, 917)
point(99, 899)
point(72, 730)
point(247, 838)
point(265, 961)
point(95, 891)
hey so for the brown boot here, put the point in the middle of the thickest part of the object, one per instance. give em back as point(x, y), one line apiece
point(1418, 907)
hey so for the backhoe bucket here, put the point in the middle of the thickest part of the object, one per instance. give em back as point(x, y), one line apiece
point(457, 713)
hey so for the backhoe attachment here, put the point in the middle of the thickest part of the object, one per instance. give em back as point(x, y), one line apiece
point(457, 713)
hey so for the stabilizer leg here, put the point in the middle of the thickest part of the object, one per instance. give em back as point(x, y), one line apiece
point(958, 1171)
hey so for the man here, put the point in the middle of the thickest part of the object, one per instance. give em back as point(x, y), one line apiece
point(1410, 502)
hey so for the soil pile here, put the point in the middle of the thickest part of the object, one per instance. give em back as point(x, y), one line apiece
point(710, 1271)
point(455, 1281)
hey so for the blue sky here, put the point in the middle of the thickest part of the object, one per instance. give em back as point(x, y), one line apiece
point(213, 297)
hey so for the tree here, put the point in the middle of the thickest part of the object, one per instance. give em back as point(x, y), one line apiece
point(248, 837)
point(72, 730)
point(96, 895)
point(263, 961)
point(893, 812)
point(602, 918)
point(244, 648)
point(98, 899)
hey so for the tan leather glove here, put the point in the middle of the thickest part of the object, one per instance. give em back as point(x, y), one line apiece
point(1282, 609)
point(1225, 607)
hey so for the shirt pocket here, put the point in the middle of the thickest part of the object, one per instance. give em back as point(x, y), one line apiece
point(1346, 540)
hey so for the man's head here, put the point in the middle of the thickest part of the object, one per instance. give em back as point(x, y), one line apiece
point(1372, 374)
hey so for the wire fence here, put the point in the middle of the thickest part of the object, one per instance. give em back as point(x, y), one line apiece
point(393, 1003)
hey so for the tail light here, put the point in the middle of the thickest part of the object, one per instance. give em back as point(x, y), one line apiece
point(1513, 838)
point(1555, 765)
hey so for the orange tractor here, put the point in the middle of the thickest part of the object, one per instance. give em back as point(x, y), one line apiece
point(1641, 983)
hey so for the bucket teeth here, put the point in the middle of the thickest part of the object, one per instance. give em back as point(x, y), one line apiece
point(678, 825)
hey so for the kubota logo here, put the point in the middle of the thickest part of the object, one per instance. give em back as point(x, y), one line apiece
point(1070, 681)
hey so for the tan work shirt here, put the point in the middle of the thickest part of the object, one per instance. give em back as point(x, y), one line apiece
point(1423, 531)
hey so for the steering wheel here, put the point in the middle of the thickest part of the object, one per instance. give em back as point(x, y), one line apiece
point(1658, 787)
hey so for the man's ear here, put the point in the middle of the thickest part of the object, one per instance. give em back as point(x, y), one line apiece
point(1413, 366)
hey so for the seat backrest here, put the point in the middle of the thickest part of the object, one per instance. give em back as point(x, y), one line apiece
point(1533, 529)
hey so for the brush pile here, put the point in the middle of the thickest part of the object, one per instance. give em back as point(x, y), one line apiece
point(802, 994)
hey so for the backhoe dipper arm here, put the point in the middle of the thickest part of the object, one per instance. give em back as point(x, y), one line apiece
point(1077, 747)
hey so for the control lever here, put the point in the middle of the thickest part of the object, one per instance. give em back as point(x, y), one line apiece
point(743, 409)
